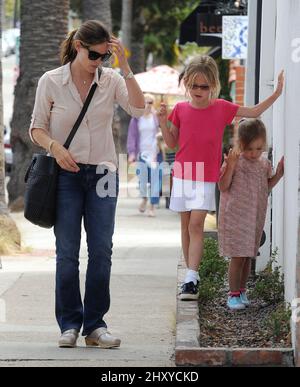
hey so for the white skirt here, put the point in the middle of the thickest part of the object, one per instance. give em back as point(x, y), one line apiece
point(188, 195)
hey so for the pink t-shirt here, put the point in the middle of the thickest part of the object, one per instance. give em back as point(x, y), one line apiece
point(200, 138)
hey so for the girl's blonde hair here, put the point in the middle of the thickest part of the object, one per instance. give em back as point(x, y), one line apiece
point(250, 130)
point(206, 66)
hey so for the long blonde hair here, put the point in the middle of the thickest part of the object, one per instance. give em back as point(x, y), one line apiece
point(151, 98)
point(206, 66)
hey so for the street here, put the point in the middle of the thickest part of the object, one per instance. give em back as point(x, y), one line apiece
point(143, 295)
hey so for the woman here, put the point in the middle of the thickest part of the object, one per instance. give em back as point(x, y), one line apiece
point(143, 146)
point(59, 99)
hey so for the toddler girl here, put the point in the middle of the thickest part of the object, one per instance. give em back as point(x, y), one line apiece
point(245, 182)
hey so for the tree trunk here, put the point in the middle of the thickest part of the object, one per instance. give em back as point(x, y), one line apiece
point(137, 42)
point(2, 159)
point(132, 15)
point(97, 10)
point(9, 234)
point(43, 28)
point(126, 25)
point(126, 35)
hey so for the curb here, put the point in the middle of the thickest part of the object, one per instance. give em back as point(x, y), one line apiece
point(189, 353)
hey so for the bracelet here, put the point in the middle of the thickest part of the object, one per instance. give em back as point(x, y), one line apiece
point(130, 75)
point(50, 145)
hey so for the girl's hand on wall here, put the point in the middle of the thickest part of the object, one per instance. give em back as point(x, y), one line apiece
point(280, 168)
point(280, 83)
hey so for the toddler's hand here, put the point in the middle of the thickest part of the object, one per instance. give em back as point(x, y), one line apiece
point(280, 168)
point(232, 158)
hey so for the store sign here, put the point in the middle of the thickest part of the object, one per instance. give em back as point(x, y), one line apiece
point(235, 37)
point(209, 29)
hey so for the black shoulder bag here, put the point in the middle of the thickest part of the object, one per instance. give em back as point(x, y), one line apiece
point(41, 179)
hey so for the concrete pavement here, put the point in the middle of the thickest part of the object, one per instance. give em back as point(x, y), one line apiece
point(143, 290)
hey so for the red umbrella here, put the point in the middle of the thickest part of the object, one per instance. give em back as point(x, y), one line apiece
point(160, 80)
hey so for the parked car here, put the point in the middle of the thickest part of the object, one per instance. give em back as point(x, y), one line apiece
point(9, 41)
point(17, 62)
point(7, 151)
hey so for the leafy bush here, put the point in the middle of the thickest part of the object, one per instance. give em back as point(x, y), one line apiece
point(212, 271)
point(279, 321)
point(269, 286)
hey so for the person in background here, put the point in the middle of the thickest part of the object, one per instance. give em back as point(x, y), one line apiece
point(142, 146)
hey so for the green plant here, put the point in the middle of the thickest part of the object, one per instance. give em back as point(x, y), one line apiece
point(279, 321)
point(212, 271)
point(269, 286)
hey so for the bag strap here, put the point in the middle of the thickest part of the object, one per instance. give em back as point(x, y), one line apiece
point(82, 113)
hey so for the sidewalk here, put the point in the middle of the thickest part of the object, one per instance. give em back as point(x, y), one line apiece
point(143, 295)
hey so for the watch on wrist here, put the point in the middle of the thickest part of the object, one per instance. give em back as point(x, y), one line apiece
point(130, 75)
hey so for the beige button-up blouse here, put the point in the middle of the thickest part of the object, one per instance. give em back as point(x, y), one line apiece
point(58, 104)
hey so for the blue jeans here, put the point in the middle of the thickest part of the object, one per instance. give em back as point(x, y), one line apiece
point(153, 177)
point(76, 199)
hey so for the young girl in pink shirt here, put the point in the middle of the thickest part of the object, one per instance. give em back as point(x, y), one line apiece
point(197, 126)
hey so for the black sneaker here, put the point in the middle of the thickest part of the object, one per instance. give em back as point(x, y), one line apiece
point(189, 291)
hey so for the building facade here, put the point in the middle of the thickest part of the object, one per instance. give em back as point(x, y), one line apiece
point(274, 44)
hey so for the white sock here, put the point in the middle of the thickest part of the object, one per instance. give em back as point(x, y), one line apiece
point(191, 276)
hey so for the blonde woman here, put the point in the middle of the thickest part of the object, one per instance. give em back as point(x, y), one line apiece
point(142, 146)
point(197, 126)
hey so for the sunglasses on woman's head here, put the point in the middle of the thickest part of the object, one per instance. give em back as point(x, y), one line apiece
point(94, 55)
point(201, 87)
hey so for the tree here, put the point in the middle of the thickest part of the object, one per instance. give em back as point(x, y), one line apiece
point(43, 28)
point(3, 207)
point(9, 234)
point(155, 28)
point(97, 10)
point(126, 26)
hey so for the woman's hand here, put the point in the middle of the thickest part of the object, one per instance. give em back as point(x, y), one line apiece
point(163, 115)
point(116, 47)
point(64, 158)
point(232, 158)
point(280, 83)
point(280, 168)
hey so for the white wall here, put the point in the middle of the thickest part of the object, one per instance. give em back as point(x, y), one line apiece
point(286, 134)
point(281, 50)
point(268, 34)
